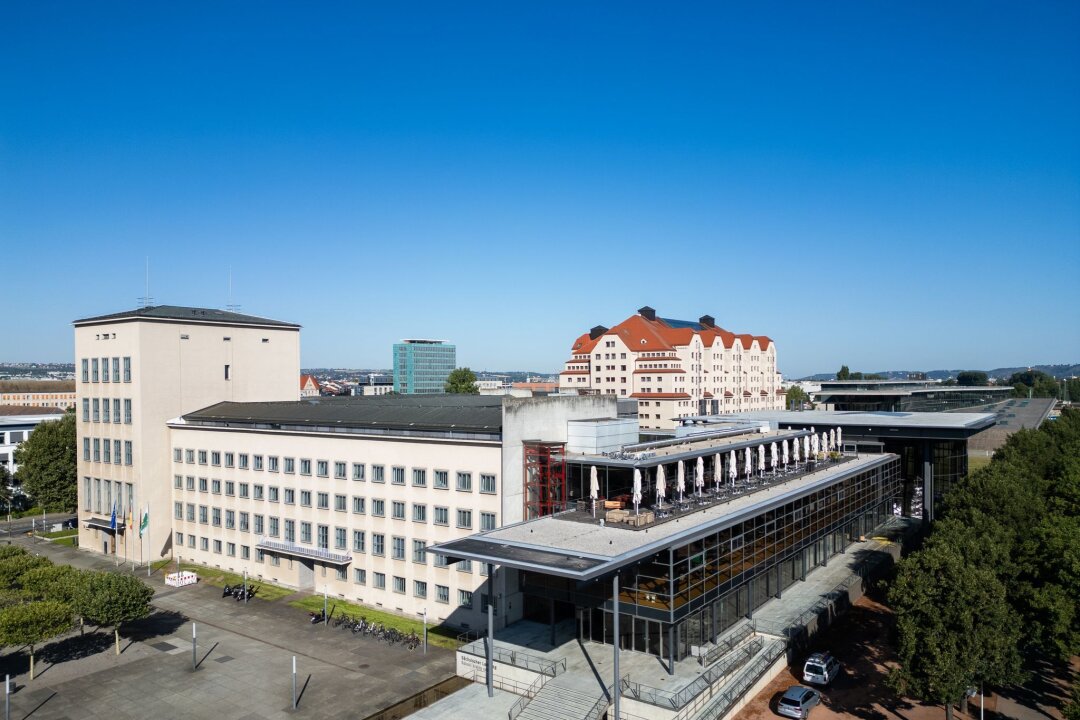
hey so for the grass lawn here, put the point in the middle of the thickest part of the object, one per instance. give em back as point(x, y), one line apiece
point(437, 634)
point(68, 537)
point(221, 578)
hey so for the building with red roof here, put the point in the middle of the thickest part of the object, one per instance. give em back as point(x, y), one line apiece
point(675, 368)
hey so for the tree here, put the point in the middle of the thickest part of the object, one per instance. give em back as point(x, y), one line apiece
point(108, 600)
point(1035, 382)
point(12, 568)
point(47, 464)
point(955, 628)
point(462, 381)
point(796, 396)
point(844, 373)
point(33, 623)
point(972, 378)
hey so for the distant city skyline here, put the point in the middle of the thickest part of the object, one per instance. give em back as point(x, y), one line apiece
point(875, 186)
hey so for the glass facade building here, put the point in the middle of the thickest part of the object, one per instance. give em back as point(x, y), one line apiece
point(421, 367)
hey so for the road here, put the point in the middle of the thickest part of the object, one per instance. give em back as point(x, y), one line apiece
point(25, 525)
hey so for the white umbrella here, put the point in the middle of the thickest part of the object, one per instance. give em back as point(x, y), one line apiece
point(718, 469)
point(699, 480)
point(839, 442)
point(773, 452)
point(795, 446)
point(785, 451)
point(732, 467)
point(824, 443)
point(594, 488)
point(813, 445)
point(637, 489)
point(749, 464)
point(832, 439)
point(761, 459)
point(661, 484)
point(681, 484)
point(806, 448)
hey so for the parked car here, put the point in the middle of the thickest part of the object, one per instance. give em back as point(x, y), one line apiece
point(798, 701)
point(820, 669)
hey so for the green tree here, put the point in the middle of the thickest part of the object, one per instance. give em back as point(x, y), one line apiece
point(971, 378)
point(47, 464)
point(796, 396)
point(62, 583)
point(955, 628)
point(844, 374)
point(462, 381)
point(33, 623)
point(12, 568)
point(108, 600)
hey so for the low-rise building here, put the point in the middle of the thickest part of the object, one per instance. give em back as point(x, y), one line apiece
point(16, 424)
point(309, 386)
point(38, 393)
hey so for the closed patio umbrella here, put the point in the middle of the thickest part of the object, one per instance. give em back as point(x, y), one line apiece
point(732, 467)
point(795, 446)
point(594, 488)
point(806, 448)
point(718, 469)
point(699, 479)
point(749, 463)
point(773, 453)
point(661, 484)
point(832, 439)
point(824, 443)
point(813, 445)
point(785, 446)
point(637, 489)
point(839, 442)
point(681, 483)
point(761, 459)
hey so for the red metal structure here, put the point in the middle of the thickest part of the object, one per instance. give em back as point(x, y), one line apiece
point(545, 478)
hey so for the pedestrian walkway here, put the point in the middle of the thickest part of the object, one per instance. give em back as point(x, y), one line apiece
point(244, 653)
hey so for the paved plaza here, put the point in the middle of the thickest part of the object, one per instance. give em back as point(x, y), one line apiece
point(244, 656)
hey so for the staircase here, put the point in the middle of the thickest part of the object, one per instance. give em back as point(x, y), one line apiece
point(559, 700)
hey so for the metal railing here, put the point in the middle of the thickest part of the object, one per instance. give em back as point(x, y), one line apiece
point(530, 692)
point(534, 663)
point(727, 643)
point(725, 700)
point(600, 707)
point(512, 686)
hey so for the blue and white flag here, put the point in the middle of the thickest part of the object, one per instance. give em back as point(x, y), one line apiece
point(112, 520)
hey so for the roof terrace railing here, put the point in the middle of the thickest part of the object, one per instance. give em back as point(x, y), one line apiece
point(305, 552)
point(534, 663)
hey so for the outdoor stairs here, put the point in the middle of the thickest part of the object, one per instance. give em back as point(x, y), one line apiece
point(743, 678)
point(561, 698)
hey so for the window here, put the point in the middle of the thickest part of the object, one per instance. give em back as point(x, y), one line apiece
point(178, 510)
point(324, 501)
point(116, 369)
point(339, 538)
point(215, 458)
point(360, 576)
point(397, 509)
point(464, 519)
point(419, 554)
point(230, 488)
point(358, 541)
point(290, 465)
point(108, 452)
point(322, 468)
point(305, 498)
point(97, 410)
point(419, 477)
point(230, 519)
point(242, 461)
point(127, 369)
point(217, 547)
point(442, 594)
point(339, 470)
point(378, 507)
point(202, 457)
point(341, 573)
point(257, 492)
point(215, 487)
point(116, 410)
point(97, 449)
point(256, 462)
point(397, 548)
point(464, 566)
point(215, 516)
point(290, 496)
point(464, 599)
point(420, 588)
point(244, 490)
point(379, 580)
point(273, 526)
point(94, 367)
point(179, 539)
point(85, 370)
point(305, 466)
point(290, 531)
point(272, 494)
point(203, 514)
point(324, 537)
point(127, 452)
point(86, 409)
point(305, 533)
point(464, 482)
point(189, 456)
point(419, 513)
point(178, 482)
point(190, 512)
point(86, 448)
point(378, 544)
point(442, 480)
point(189, 482)
point(442, 515)
point(487, 521)
point(105, 410)
point(398, 477)
point(487, 484)
point(440, 561)
point(358, 505)
point(203, 484)
point(230, 459)
point(245, 523)
point(116, 452)
point(245, 552)
point(358, 471)
point(377, 475)
point(339, 503)
point(227, 368)
point(399, 584)
point(127, 416)
point(272, 464)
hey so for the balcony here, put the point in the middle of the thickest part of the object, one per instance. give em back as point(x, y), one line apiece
point(309, 553)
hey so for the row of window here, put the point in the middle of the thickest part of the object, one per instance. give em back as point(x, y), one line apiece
point(98, 495)
point(288, 465)
point(440, 513)
point(101, 450)
point(94, 370)
point(100, 410)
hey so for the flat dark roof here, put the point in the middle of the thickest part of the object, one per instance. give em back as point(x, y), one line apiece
point(457, 413)
point(189, 314)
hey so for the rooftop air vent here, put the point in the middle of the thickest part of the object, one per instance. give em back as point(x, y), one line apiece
point(647, 312)
point(597, 332)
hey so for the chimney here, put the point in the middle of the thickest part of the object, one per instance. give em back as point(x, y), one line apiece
point(707, 321)
point(597, 332)
point(647, 312)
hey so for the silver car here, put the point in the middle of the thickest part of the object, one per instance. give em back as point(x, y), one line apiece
point(798, 701)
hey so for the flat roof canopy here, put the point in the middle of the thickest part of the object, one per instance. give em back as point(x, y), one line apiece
point(922, 425)
point(583, 551)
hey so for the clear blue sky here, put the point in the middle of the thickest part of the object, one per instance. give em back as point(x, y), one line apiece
point(881, 184)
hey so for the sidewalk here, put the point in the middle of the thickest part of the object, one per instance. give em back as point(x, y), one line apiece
point(247, 671)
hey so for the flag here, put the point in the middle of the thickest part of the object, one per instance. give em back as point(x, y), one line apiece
point(112, 520)
point(145, 521)
point(130, 520)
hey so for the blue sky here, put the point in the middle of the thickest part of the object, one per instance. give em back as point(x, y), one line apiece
point(881, 184)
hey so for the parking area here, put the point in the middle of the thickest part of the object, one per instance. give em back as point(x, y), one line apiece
point(860, 641)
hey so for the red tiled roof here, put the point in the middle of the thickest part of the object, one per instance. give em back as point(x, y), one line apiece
point(708, 394)
point(729, 394)
point(304, 381)
point(639, 334)
point(574, 372)
point(746, 393)
point(661, 396)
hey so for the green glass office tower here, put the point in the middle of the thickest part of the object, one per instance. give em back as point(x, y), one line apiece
point(421, 367)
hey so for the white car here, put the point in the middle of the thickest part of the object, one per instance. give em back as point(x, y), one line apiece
point(820, 669)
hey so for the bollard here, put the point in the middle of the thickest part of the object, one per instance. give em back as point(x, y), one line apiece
point(193, 661)
point(293, 682)
point(7, 697)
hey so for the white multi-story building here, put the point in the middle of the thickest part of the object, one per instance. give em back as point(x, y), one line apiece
point(16, 424)
point(675, 368)
point(134, 371)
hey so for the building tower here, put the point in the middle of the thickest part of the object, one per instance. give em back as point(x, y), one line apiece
point(421, 367)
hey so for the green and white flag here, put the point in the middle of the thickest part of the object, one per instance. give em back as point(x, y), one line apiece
point(145, 521)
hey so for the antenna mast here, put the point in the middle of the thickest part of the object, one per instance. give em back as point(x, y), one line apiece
point(146, 301)
point(230, 306)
